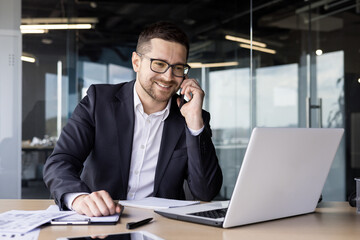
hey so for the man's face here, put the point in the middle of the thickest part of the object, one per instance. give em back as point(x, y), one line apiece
point(158, 87)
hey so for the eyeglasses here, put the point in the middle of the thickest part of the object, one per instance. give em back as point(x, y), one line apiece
point(160, 66)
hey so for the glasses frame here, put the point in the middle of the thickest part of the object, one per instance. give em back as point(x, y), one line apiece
point(186, 66)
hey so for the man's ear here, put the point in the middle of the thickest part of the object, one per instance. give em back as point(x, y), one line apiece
point(135, 59)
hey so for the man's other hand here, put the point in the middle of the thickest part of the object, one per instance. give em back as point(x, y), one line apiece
point(95, 204)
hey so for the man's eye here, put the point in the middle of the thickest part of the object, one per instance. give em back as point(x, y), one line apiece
point(160, 64)
point(179, 67)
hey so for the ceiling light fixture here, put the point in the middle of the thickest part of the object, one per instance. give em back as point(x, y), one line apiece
point(93, 4)
point(319, 52)
point(55, 26)
point(243, 40)
point(266, 50)
point(210, 65)
point(59, 20)
point(28, 59)
point(47, 41)
point(34, 31)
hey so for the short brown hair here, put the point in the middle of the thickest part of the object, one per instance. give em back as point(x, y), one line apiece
point(164, 30)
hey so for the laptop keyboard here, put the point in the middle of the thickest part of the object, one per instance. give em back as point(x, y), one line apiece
point(216, 213)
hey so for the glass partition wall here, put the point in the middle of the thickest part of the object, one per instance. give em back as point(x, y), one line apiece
point(293, 76)
point(261, 63)
point(300, 82)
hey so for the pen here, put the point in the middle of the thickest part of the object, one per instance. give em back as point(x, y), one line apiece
point(132, 225)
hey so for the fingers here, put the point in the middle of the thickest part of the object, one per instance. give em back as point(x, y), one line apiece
point(192, 110)
point(118, 208)
point(194, 94)
point(190, 87)
point(95, 204)
point(99, 237)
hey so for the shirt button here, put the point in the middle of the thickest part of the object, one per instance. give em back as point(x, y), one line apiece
point(136, 172)
point(142, 147)
point(148, 121)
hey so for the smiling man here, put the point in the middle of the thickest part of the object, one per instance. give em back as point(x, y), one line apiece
point(136, 139)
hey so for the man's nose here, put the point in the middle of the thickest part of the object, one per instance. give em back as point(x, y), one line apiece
point(169, 74)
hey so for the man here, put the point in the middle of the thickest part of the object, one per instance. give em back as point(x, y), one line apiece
point(132, 140)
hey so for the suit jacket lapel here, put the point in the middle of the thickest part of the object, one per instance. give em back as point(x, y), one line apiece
point(124, 118)
point(173, 128)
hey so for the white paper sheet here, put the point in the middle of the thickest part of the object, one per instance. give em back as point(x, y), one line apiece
point(32, 235)
point(156, 203)
point(16, 221)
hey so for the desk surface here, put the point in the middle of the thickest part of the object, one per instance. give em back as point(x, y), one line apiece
point(332, 220)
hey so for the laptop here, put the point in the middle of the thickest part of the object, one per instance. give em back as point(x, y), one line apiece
point(282, 175)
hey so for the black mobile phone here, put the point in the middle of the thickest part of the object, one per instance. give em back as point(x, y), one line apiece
point(181, 101)
point(182, 95)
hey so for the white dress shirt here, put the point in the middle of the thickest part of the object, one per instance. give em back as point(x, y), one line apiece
point(148, 131)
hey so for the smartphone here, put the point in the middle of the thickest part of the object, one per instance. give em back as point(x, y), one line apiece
point(182, 100)
point(182, 96)
point(120, 236)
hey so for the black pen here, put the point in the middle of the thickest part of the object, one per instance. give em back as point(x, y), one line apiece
point(132, 225)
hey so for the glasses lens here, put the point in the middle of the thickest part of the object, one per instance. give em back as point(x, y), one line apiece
point(159, 66)
point(179, 70)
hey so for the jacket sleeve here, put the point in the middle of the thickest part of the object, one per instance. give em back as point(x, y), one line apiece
point(204, 173)
point(63, 168)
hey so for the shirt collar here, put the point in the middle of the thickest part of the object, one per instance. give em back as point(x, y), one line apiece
point(139, 107)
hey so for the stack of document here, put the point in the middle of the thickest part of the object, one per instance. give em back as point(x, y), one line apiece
point(17, 224)
point(23, 225)
point(32, 235)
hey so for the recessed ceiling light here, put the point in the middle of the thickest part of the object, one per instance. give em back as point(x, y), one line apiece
point(189, 21)
point(93, 4)
point(47, 41)
point(319, 52)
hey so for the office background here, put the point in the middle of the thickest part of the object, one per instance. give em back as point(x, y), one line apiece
point(301, 69)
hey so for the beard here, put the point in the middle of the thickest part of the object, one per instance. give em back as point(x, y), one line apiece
point(151, 88)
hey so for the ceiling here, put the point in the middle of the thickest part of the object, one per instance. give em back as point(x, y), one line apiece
point(205, 21)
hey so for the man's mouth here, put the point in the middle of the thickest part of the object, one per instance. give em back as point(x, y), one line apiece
point(163, 85)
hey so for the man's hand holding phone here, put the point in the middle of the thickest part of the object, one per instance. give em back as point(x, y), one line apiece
point(192, 110)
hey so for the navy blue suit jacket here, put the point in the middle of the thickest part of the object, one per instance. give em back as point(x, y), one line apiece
point(94, 150)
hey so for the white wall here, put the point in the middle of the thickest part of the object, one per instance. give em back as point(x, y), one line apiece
point(10, 99)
